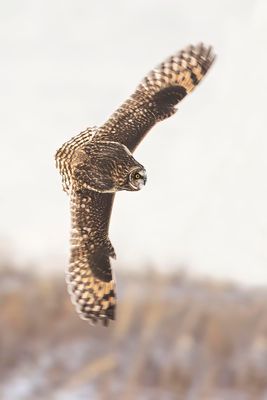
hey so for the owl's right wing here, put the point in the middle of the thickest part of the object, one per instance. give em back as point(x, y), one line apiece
point(156, 97)
point(89, 276)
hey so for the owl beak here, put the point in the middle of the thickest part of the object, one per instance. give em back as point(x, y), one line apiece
point(144, 178)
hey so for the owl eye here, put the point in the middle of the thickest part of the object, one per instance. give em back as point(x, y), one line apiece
point(137, 176)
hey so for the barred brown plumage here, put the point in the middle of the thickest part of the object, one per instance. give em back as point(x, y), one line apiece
point(64, 154)
point(157, 95)
point(98, 162)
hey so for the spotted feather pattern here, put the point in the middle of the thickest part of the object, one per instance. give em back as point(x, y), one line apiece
point(89, 276)
point(66, 152)
point(157, 95)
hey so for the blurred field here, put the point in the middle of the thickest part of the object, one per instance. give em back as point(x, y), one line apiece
point(174, 338)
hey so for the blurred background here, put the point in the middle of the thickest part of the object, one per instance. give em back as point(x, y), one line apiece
point(191, 246)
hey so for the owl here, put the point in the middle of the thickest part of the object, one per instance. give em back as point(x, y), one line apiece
point(98, 162)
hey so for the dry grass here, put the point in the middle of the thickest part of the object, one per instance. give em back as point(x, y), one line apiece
point(174, 338)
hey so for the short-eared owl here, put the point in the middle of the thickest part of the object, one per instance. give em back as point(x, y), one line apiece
point(98, 162)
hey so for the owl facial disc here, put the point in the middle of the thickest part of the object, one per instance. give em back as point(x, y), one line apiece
point(137, 178)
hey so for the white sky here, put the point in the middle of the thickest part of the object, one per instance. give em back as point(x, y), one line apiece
point(66, 65)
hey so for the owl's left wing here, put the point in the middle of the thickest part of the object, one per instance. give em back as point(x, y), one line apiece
point(89, 276)
point(156, 97)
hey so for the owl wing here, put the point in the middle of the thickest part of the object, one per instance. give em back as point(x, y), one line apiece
point(89, 276)
point(66, 152)
point(155, 98)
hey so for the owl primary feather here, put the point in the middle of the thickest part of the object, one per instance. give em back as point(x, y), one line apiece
point(98, 162)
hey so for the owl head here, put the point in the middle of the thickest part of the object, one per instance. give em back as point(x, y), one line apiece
point(107, 167)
